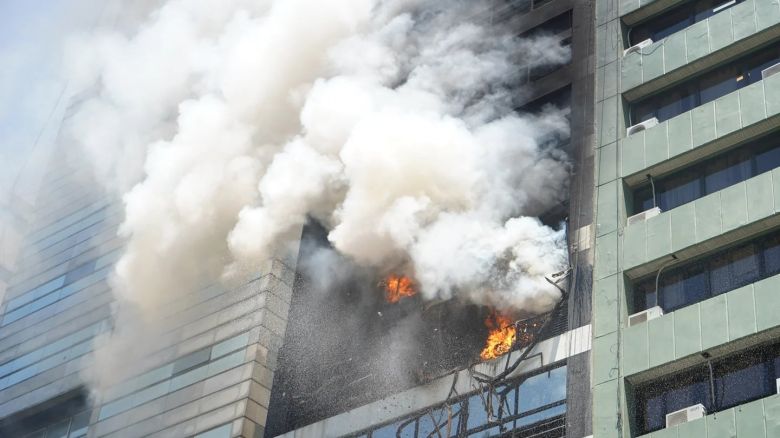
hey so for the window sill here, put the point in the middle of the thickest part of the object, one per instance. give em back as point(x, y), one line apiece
point(756, 419)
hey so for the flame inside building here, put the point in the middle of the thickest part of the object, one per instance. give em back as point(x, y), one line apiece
point(501, 338)
point(352, 339)
point(397, 287)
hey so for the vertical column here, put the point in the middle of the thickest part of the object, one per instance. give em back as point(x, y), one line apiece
point(607, 303)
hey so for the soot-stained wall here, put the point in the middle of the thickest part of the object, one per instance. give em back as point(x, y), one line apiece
point(346, 346)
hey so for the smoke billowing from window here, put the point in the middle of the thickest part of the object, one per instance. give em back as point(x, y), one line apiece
point(226, 123)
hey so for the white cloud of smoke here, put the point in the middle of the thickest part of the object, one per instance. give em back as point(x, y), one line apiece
point(226, 123)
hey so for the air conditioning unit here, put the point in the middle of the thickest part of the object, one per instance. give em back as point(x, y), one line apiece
point(647, 124)
point(638, 46)
point(645, 315)
point(769, 71)
point(777, 383)
point(643, 216)
point(685, 415)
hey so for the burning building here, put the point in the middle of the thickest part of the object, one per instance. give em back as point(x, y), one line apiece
point(388, 278)
point(400, 365)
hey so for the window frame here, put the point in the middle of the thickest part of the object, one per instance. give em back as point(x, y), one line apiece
point(689, 13)
point(699, 374)
point(460, 409)
point(755, 151)
point(644, 295)
point(689, 92)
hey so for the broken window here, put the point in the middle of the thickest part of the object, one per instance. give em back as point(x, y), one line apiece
point(532, 405)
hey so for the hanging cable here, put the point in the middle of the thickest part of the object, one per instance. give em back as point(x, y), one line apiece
point(652, 187)
point(713, 401)
point(658, 277)
point(537, 335)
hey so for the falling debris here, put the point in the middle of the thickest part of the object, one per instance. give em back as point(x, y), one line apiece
point(501, 338)
point(397, 287)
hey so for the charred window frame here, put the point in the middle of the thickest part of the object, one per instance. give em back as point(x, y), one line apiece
point(709, 176)
point(677, 19)
point(736, 379)
point(711, 276)
point(495, 410)
point(704, 88)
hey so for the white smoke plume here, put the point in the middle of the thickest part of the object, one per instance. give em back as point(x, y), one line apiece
point(226, 123)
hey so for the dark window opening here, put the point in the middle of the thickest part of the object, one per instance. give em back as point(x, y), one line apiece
point(560, 98)
point(556, 216)
point(714, 275)
point(677, 19)
point(557, 25)
point(390, 348)
point(705, 88)
point(710, 176)
point(524, 6)
point(64, 418)
point(737, 379)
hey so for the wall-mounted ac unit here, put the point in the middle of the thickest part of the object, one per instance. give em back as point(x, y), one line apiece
point(769, 71)
point(643, 216)
point(638, 46)
point(647, 124)
point(685, 415)
point(645, 315)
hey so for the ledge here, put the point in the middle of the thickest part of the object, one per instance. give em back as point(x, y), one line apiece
point(739, 319)
point(734, 118)
point(756, 419)
point(634, 11)
point(704, 225)
point(435, 393)
point(699, 47)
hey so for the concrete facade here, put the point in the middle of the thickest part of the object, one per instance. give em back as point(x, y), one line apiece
point(623, 356)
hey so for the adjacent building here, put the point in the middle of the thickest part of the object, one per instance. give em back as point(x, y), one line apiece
point(686, 308)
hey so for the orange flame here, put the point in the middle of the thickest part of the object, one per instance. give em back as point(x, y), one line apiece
point(501, 338)
point(397, 287)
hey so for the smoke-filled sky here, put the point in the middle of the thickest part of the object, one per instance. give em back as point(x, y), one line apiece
point(224, 124)
point(32, 80)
